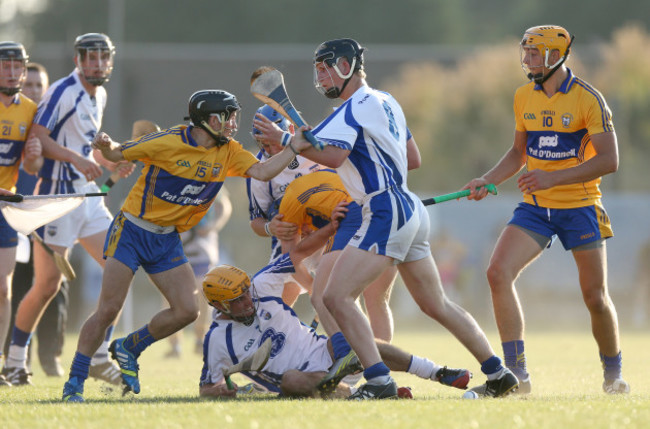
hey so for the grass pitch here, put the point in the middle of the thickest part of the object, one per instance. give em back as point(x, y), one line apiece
point(565, 370)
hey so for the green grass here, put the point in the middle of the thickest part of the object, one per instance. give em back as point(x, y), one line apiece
point(566, 394)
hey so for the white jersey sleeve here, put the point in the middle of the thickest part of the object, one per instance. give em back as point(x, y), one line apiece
point(372, 126)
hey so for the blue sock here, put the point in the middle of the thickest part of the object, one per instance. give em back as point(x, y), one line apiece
point(377, 370)
point(491, 365)
point(340, 345)
point(513, 352)
point(80, 366)
point(109, 333)
point(139, 340)
point(20, 338)
point(612, 366)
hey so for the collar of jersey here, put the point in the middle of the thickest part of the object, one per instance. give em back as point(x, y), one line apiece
point(187, 137)
point(566, 85)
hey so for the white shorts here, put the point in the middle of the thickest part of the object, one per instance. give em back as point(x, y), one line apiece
point(88, 219)
point(395, 224)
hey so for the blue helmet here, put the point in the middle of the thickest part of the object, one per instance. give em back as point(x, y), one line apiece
point(272, 115)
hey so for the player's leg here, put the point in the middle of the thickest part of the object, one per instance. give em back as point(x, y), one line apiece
point(50, 333)
point(47, 280)
point(399, 360)
point(92, 240)
point(376, 299)
point(116, 281)
point(423, 282)
point(353, 271)
point(182, 298)
point(592, 271)
point(7, 263)
point(301, 384)
point(515, 249)
point(321, 278)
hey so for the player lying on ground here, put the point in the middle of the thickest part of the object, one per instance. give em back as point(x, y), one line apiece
point(299, 357)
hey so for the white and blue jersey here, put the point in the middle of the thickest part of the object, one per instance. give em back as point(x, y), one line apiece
point(270, 280)
point(295, 346)
point(264, 197)
point(73, 117)
point(372, 126)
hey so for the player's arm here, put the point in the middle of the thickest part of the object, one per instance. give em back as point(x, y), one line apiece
point(32, 155)
point(317, 239)
point(331, 156)
point(413, 158)
point(604, 162)
point(110, 150)
point(53, 150)
point(509, 165)
point(218, 390)
point(268, 169)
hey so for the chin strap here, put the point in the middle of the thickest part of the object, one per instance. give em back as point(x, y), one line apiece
point(218, 138)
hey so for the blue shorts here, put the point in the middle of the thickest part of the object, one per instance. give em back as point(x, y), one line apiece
point(347, 228)
point(8, 236)
point(134, 246)
point(573, 227)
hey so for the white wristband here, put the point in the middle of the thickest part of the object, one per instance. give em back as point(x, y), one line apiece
point(286, 138)
point(267, 229)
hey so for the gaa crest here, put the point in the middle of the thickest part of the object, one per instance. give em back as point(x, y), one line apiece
point(567, 118)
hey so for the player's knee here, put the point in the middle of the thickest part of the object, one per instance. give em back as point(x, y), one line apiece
point(188, 314)
point(107, 311)
point(332, 302)
point(597, 301)
point(497, 276)
point(293, 384)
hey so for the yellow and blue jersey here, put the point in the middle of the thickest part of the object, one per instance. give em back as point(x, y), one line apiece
point(180, 178)
point(310, 199)
point(15, 124)
point(559, 131)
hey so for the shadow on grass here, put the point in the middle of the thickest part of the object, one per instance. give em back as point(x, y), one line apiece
point(188, 399)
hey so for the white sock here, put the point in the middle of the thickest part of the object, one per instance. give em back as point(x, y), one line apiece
point(381, 380)
point(101, 355)
point(17, 357)
point(423, 367)
point(496, 375)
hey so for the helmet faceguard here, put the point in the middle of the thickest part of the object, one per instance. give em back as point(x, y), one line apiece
point(226, 287)
point(13, 67)
point(214, 102)
point(329, 54)
point(94, 54)
point(272, 115)
point(546, 39)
